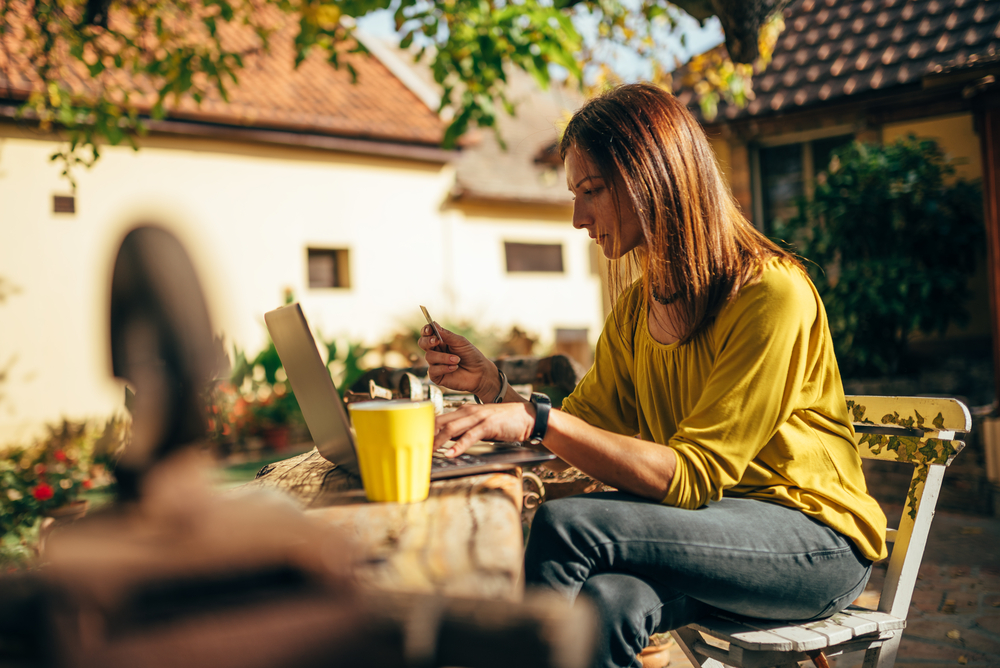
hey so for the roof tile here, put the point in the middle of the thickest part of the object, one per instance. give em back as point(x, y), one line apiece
point(857, 46)
point(878, 77)
point(273, 94)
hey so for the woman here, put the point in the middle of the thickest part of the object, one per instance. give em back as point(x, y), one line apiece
point(715, 405)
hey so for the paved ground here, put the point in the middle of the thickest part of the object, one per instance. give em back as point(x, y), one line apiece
point(954, 616)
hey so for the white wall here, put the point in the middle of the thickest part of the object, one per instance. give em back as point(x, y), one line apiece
point(536, 302)
point(246, 215)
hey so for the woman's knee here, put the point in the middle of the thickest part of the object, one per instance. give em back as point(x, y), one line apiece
point(629, 612)
point(553, 514)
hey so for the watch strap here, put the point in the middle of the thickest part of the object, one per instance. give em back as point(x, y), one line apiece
point(542, 406)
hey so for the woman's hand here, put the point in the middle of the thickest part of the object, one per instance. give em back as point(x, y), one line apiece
point(471, 424)
point(458, 365)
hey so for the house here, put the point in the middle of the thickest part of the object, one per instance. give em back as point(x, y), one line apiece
point(875, 70)
point(302, 182)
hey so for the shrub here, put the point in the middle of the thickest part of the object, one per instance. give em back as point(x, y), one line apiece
point(51, 472)
point(891, 239)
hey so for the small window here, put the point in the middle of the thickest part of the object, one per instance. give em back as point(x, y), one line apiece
point(782, 177)
point(534, 257)
point(328, 268)
point(63, 204)
point(786, 173)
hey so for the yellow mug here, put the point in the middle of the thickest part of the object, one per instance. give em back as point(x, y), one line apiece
point(395, 441)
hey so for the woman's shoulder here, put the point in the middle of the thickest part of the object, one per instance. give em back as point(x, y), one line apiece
point(782, 288)
point(782, 276)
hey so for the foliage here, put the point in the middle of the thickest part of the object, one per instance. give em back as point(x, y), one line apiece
point(132, 58)
point(714, 77)
point(255, 398)
point(345, 360)
point(55, 470)
point(892, 239)
point(19, 549)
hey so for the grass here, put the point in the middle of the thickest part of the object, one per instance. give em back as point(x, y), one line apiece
point(235, 475)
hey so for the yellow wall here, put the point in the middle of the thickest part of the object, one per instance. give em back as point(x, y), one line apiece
point(955, 134)
point(722, 154)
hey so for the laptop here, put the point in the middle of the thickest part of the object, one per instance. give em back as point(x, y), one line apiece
point(326, 418)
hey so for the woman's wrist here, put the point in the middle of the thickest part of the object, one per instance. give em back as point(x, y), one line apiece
point(492, 384)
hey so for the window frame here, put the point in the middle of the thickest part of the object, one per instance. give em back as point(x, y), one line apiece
point(560, 245)
point(342, 267)
point(806, 139)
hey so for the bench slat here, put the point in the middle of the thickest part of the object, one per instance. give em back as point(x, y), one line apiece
point(858, 625)
point(934, 413)
point(908, 449)
point(803, 640)
point(834, 632)
point(738, 633)
point(782, 637)
point(885, 622)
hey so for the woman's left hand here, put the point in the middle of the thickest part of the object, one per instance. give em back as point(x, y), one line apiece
point(473, 423)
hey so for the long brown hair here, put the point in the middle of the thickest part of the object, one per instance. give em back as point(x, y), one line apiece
point(699, 245)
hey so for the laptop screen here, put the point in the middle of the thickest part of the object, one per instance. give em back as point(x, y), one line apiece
point(318, 398)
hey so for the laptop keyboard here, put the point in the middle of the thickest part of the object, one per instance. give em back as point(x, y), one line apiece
point(440, 462)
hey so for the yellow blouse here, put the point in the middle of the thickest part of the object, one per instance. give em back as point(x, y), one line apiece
point(753, 406)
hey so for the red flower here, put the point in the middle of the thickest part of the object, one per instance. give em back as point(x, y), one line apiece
point(42, 492)
point(86, 484)
point(59, 455)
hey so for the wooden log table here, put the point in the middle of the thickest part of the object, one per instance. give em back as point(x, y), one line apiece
point(464, 540)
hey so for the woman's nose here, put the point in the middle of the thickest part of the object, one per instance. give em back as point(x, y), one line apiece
point(580, 219)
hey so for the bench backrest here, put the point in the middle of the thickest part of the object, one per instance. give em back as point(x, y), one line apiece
point(921, 431)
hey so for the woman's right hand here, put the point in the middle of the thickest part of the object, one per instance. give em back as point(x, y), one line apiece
point(457, 364)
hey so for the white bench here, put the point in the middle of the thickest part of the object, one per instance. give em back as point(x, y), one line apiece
point(911, 430)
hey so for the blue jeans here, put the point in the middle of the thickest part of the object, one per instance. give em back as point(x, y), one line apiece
point(650, 568)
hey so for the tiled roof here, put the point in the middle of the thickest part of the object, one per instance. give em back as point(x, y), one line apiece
point(526, 171)
point(273, 95)
point(838, 49)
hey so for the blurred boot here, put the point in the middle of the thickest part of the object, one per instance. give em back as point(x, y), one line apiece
point(161, 343)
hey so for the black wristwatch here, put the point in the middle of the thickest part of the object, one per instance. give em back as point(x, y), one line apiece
point(542, 405)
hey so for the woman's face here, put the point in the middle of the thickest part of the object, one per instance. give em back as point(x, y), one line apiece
point(594, 208)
